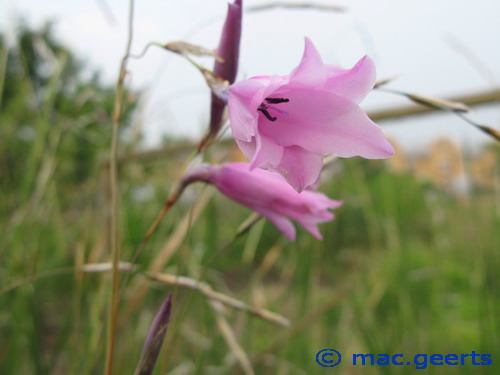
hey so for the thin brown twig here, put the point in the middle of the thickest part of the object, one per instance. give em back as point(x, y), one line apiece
point(115, 249)
point(146, 49)
point(171, 200)
point(166, 206)
point(174, 195)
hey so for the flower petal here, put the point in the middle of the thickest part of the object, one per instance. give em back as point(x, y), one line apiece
point(267, 152)
point(300, 167)
point(320, 201)
point(313, 229)
point(324, 123)
point(311, 70)
point(245, 98)
point(281, 222)
point(316, 202)
point(353, 84)
point(354, 134)
point(248, 148)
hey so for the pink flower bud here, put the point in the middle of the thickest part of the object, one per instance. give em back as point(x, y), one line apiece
point(155, 338)
point(229, 51)
point(269, 194)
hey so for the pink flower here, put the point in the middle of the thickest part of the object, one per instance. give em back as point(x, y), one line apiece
point(288, 123)
point(268, 194)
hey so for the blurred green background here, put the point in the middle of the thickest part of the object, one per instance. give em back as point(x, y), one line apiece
point(406, 267)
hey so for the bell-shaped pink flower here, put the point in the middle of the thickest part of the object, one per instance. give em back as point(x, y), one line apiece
point(269, 194)
point(288, 123)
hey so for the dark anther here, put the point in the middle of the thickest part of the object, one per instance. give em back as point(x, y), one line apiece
point(263, 109)
point(277, 100)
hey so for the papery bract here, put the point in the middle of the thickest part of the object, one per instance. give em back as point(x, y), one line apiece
point(288, 123)
point(269, 194)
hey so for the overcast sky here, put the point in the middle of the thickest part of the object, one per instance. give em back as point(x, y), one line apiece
point(436, 47)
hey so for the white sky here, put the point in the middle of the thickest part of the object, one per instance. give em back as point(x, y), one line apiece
point(435, 47)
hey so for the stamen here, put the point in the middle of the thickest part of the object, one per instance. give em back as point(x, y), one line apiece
point(263, 109)
point(277, 100)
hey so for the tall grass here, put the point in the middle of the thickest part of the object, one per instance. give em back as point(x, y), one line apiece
point(405, 268)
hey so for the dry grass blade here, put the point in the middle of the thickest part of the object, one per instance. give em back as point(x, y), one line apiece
point(438, 103)
point(107, 266)
point(208, 292)
point(217, 84)
point(383, 82)
point(230, 338)
point(181, 48)
point(490, 131)
point(456, 107)
point(484, 128)
point(186, 49)
point(490, 96)
point(296, 5)
point(199, 286)
point(443, 104)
